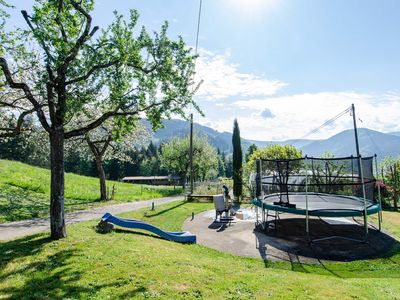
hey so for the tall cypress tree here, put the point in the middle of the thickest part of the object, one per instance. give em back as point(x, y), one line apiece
point(237, 160)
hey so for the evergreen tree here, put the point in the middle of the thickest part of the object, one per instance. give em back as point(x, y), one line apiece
point(237, 161)
point(221, 164)
point(227, 159)
point(250, 151)
point(151, 150)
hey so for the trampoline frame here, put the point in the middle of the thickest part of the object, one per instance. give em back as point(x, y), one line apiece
point(371, 208)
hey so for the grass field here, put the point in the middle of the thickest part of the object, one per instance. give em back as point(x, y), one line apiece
point(25, 190)
point(122, 264)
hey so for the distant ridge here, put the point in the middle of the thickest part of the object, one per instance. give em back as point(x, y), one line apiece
point(342, 144)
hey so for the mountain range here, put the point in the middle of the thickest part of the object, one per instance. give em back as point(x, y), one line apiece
point(342, 144)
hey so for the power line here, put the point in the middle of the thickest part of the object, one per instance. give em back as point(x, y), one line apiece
point(191, 114)
point(328, 122)
point(372, 140)
point(198, 27)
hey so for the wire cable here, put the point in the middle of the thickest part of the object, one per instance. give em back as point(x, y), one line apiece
point(328, 122)
point(197, 42)
point(198, 27)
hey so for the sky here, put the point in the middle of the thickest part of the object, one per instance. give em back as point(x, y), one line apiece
point(282, 67)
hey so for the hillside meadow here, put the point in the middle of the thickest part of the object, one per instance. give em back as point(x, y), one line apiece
point(25, 191)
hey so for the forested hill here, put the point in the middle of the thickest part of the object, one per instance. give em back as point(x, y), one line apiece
point(220, 140)
point(341, 144)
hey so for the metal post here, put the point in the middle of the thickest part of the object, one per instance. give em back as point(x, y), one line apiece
point(263, 215)
point(355, 129)
point(256, 215)
point(379, 195)
point(365, 200)
point(353, 112)
point(191, 153)
point(258, 179)
point(352, 169)
point(307, 216)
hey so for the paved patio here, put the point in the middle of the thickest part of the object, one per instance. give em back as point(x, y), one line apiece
point(288, 241)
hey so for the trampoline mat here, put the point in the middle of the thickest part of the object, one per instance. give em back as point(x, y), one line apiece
point(321, 205)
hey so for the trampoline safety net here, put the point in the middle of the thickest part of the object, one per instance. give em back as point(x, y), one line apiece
point(335, 176)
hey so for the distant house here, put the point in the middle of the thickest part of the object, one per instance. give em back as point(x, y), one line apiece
point(380, 183)
point(154, 180)
point(384, 188)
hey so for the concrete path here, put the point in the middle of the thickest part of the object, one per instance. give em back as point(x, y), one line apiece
point(288, 242)
point(13, 230)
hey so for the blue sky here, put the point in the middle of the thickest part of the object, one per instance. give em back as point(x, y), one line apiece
point(283, 67)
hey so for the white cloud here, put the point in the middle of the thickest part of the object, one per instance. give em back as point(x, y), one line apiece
point(228, 93)
point(222, 79)
point(267, 114)
point(297, 115)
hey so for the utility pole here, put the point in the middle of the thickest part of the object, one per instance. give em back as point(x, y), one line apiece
point(353, 112)
point(191, 153)
point(191, 115)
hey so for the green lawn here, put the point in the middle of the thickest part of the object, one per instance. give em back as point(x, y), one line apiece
point(122, 264)
point(25, 190)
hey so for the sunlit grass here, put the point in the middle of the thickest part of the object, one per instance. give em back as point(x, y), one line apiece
point(124, 264)
point(25, 190)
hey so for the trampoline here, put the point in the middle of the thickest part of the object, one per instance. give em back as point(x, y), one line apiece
point(318, 187)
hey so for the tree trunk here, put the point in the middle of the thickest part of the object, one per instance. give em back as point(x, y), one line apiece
point(57, 220)
point(183, 181)
point(102, 177)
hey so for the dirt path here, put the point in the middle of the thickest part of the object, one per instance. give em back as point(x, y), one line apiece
point(13, 230)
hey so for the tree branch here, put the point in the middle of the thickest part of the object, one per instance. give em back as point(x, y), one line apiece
point(146, 71)
point(107, 116)
point(92, 146)
point(24, 87)
point(13, 104)
point(86, 34)
point(60, 25)
point(106, 144)
point(91, 71)
point(97, 123)
point(12, 132)
point(42, 43)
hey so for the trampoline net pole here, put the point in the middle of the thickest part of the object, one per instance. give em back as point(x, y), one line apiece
point(307, 225)
point(258, 180)
point(260, 191)
point(379, 194)
point(364, 197)
point(318, 187)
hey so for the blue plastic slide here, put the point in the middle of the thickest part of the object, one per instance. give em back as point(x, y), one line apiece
point(181, 237)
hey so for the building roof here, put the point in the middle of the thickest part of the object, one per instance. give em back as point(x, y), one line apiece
point(135, 178)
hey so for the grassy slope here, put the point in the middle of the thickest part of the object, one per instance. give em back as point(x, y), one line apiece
point(25, 190)
point(123, 265)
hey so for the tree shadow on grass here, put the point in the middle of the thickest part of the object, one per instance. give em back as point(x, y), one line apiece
point(24, 205)
point(137, 232)
point(379, 258)
point(43, 272)
point(16, 249)
point(19, 204)
point(151, 215)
